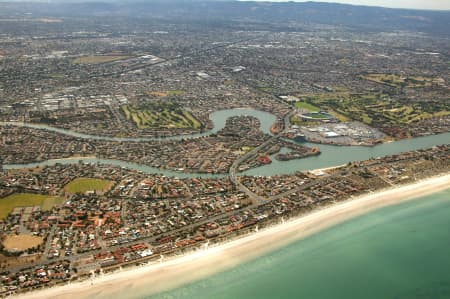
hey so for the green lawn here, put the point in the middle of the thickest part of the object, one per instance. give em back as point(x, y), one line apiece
point(161, 116)
point(82, 185)
point(192, 120)
point(375, 108)
point(307, 106)
point(319, 115)
point(46, 202)
point(407, 81)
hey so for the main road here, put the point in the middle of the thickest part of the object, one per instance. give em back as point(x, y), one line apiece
point(257, 199)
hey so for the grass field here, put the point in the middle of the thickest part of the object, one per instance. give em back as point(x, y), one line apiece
point(21, 242)
point(307, 106)
point(295, 120)
point(82, 185)
point(160, 117)
point(7, 204)
point(318, 115)
point(375, 109)
point(406, 81)
point(99, 59)
point(17, 261)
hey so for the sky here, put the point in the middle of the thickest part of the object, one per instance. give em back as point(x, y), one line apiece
point(416, 4)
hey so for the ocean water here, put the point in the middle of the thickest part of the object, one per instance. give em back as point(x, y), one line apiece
point(398, 252)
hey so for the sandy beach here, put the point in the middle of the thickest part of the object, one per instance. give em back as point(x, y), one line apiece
point(157, 277)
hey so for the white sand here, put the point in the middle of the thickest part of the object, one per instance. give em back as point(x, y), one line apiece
point(158, 277)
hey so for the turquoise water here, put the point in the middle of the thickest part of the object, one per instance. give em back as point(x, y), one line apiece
point(398, 252)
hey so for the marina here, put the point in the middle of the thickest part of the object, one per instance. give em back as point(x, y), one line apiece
point(330, 155)
point(203, 149)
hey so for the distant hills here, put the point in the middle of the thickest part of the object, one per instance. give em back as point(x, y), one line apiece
point(358, 17)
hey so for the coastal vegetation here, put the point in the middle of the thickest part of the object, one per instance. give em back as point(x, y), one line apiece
point(7, 204)
point(161, 115)
point(82, 185)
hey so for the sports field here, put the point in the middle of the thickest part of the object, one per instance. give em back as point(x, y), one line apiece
point(82, 185)
point(46, 202)
point(21, 242)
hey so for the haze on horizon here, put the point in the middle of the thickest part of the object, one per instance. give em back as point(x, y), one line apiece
point(408, 4)
point(414, 4)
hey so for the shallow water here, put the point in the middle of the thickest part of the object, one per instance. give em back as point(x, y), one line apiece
point(400, 251)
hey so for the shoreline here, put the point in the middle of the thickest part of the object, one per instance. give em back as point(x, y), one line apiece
point(180, 270)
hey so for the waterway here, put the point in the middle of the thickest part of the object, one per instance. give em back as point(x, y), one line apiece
point(330, 156)
point(396, 252)
point(218, 119)
point(129, 165)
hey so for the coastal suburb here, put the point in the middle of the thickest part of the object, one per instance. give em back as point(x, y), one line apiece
point(151, 145)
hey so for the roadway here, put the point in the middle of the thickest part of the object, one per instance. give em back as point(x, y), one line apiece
point(257, 199)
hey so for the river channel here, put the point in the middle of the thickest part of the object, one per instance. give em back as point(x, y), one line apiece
point(331, 155)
